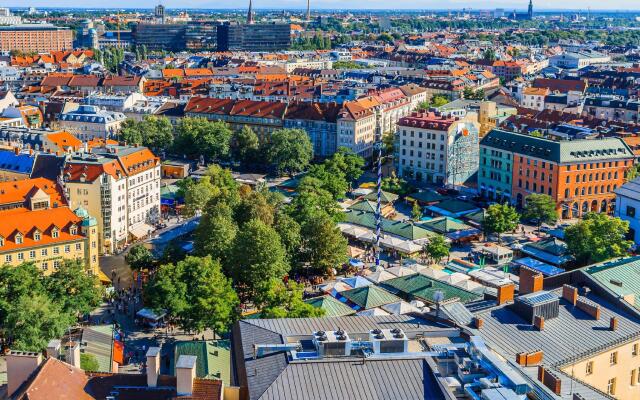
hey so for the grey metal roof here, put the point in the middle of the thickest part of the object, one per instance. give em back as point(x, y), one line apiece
point(375, 380)
point(318, 379)
point(572, 335)
point(568, 387)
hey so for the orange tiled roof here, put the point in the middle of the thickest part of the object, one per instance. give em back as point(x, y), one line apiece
point(65, 140)
point(139, 161)
point(24, 222)
point(18, 191)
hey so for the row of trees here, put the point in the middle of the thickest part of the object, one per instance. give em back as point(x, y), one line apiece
point(249, 241)
point(35, 308)
point(597, 237)
point(288, 151)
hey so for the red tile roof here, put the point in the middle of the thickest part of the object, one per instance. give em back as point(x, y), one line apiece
point(17, 191)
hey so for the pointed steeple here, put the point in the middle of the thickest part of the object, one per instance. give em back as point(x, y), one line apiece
point(308, 10)
point(530, 13)
point(250, 14)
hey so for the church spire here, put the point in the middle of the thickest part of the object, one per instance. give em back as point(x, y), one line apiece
point(250, 14)
point(530, 13)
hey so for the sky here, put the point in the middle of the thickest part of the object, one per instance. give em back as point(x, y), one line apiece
point(334, 4)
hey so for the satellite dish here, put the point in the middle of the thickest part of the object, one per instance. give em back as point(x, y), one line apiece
point(438, 296)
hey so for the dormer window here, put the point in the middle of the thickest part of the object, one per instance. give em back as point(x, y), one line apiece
point(1, 241)
point(36, 236)
point(55, 233)
point(73, 230)
point(19, 238)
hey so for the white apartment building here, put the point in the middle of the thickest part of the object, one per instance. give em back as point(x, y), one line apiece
point(90, 122)
point(357, 128)
point(120, 186)
point(533, 98)
point(432, 148)
point(628, 207)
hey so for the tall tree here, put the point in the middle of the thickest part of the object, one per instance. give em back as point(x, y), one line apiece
point(289, 231)
point(74, 289)
point(289, 151)
point(500, 218)
point(598, 237)
point(254, 205)
point(540, 208)
point(280, 300)
point(216, 232)
point(195, 293)
point(437, 248)
point(245, 145)
point(139, 257)
point(257, 256)
point(324, 246)
point(416, 211)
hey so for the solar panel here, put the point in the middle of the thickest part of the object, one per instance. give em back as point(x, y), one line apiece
point(537, 298)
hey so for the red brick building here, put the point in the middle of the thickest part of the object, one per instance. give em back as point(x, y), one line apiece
point(35, 38)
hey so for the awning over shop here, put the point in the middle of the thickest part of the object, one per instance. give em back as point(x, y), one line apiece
point(103, 277)
point(141, 230)
point(149, 314)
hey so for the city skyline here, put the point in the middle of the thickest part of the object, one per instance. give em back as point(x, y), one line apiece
point(546, 5)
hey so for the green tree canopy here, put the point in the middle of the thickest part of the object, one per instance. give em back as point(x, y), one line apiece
point(217, 184)
point(598, 237)
point(256, 257)
point(153, 131)
point(437, 248)
point(139, 257)
point(245, 145)
point(89, 362)
point(289, 151)
point(195, 293)
point(500, 218)
point(198, 136)
point(74, 289)
point(324, 247)
point(540, 208)
point(279, 300)
point(216, 232)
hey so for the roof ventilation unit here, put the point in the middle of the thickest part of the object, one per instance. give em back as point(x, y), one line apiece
point(332, 343)
point(388, 341)
point(541, 303)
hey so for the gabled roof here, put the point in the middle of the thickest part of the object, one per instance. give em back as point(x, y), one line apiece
point(368, 297)
point(418, 286)
point(19, 191)
point(331, 306)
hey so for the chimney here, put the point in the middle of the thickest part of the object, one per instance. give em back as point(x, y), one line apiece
point(478, 322)
point(530, 281)
point(550, 380)
point(538, 322)
point(530, 359)
point(613, 323)
point(153, 366)
point(588, 307)
point(72, 354)
point(505, 293)
point(20, 365)
point(53, 348)
point(570, 294)
point(185, 374)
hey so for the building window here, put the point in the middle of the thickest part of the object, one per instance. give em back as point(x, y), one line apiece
point(43, 252)
point(634, 349)
point(20, 256)
point(78, 246)
point(8, 258)
point(36, 236)
point(32, 254)
point(45, 266)
point(613, 358)
point(589, 369)
point(54, 234)
point(56, 250)
point(631, 211)
point(67, 248)
point(611, 386)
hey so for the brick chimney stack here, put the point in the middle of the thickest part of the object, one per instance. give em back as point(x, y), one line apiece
point(506, 293)
point(613, 323)
point(570, 294)
point(538, 322)
point(531, 281)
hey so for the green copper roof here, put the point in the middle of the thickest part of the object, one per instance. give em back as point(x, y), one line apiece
point(386, 197)
point(369, 297)
point(423, 288)
point(365, 205)
point(444, 225)
point(406, 230)
point(621, 276)
point(476, 216)
point(331, 306)
point(213, 358)
point(563, 151)
point(427, 196)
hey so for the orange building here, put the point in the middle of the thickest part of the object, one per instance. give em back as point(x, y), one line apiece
point(580, 175)
point(35, 38)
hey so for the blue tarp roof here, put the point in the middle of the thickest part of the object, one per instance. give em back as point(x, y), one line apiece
point(357, 281)
point(10, 161)
point(544, 268)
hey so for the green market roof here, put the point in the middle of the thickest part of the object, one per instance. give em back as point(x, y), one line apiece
point(213, 358)
point(331, 306)
point(385, 197)
point(423, 288)
point(455, 206)
point(369, 296)
point(476, 216)
point(427, 196)
point(620, 276)
point(364, 205)
point(405, 230)
point(169, 191)
point(444, 225)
